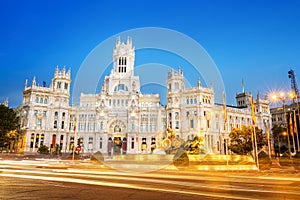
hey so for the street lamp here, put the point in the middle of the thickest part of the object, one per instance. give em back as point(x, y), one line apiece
point(283, 97)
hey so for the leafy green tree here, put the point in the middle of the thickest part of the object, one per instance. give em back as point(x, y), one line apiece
point(241, 140)
point(43, 149)
point(9, 126)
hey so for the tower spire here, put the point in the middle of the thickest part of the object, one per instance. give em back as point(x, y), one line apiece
point(26, 83)
point(33, 81)
point(243, 86)
point(199, 82)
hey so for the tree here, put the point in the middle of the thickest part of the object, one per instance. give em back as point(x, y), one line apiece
point(43, 149)
point(277, 131)
point(9, 127)
point(241, 140)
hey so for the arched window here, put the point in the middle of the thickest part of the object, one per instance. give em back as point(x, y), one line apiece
point(42, 140)
point(121, 87)
point(37, 140)
point(117, 129)
point(32, 140)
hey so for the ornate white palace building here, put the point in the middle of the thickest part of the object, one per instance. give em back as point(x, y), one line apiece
point(120, 119)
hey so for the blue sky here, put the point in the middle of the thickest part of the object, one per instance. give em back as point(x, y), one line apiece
point(257, 41)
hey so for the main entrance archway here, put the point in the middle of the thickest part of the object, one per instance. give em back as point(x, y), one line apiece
point(117, 130)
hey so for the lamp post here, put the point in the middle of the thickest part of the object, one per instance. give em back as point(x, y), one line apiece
point(283, 97)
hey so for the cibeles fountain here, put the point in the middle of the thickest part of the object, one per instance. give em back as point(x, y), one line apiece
point(173, 153)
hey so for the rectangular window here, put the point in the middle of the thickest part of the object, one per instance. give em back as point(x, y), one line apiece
point(90, 145)
point(100, 146)
point(62, 125)
point(39, 123)
point(192, 123)
point(36, 99)
point(177, 125)
point(45, 113)
point(71, 146)
point(55, 124)
point(176, 115)
point(101, 126)
point(132, 143)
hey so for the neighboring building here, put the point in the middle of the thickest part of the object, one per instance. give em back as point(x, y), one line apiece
point(120, 119)
point(278, 114)
point(291, 124)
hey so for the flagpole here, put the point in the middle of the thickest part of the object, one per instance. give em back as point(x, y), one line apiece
point(297, 132)
point(268, 137)
point(255, 142)
point(255, 153)
point(73, 155)
point(287, 129)
point(225, 126)
point(292, 132)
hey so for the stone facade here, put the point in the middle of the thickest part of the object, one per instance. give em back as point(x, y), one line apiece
point(120, 119)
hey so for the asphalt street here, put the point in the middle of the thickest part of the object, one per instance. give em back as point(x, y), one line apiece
point(58, 180)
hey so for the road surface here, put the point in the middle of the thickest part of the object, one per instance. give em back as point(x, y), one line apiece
point(58, 180)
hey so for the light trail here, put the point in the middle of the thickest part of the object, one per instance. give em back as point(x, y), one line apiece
point(215, 184)
point(145, 179)
point(122, 185)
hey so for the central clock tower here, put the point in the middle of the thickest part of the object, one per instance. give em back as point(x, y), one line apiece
point(122, 78)
point(123, 57)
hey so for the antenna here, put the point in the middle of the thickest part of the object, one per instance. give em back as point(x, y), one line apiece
point(294, 86)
